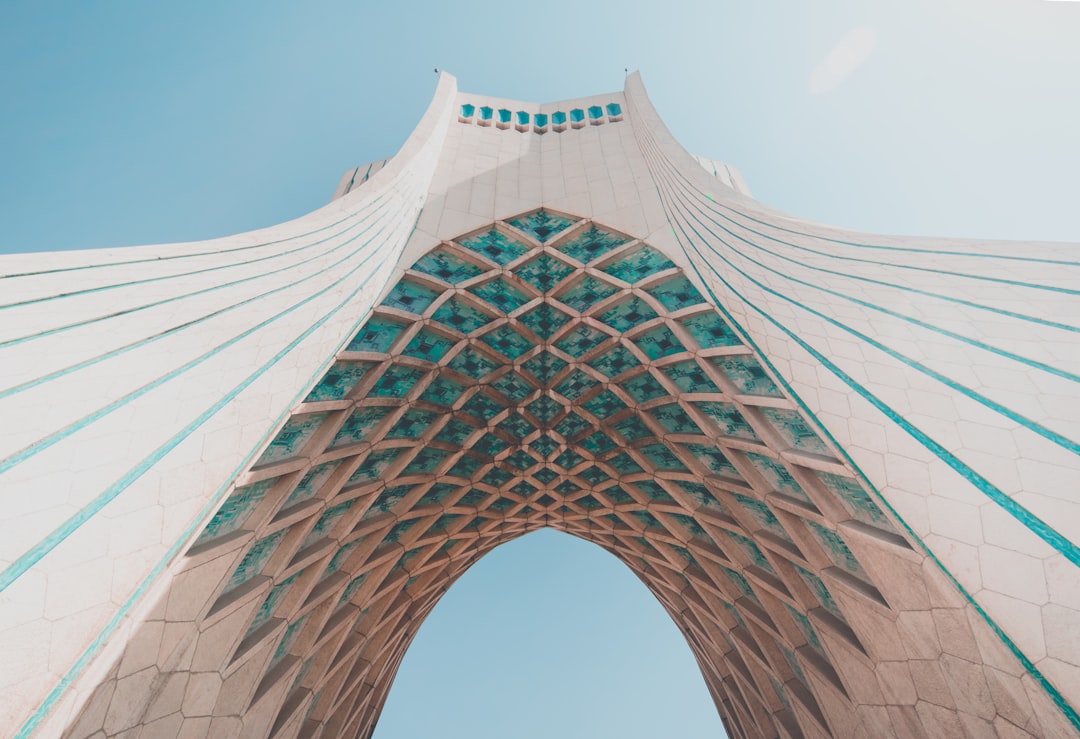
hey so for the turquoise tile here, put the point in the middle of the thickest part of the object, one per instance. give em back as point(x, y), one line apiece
point(507, 342)
point(804, 626)
point(411, 296)
point(483, 407)
point(752, 551)
point(764, 516)
point(455, 432)
point(710, 331)
point(582, 340)
point(311, 483)
point(638, 264)
point(571, 425)
point(569, 459)
point(659, 342)
point(473, 363)
point(631, 428)
point(338, 381)
point(352, 587)
point(728, 420)
point(291, 439)
point(701, 495)
point(855, 500)
point(795, 430)
point(542, 224)
point(591, 244)
point(747, 375)
point(254, 560)
point(412, 424)
point(373, 466)
point(442, 391)
point(662, 458)
point(835, 547)
point(544, 409)
point(777, 476)
point(429, 346)
point(544, 272)
point(461, 316)
point(654, 492)
point(447, 266)
point(690, 377)
point(628, 314)
point(544, 367)
point(496, 246)
point(817, 587)
point(266, 609)
point(516, 426)
point(326, 522)
point(544, 320)
point(644, 387)
point(618, 495)
point(388, 500)
point(604, 405)
point(513, 385)
point(714, 460)
point(377, 335)
point(615, 361)
point(396, 381)
point(545, 475)
point(359, 424)
point(676, 293)
point(576, 385)
point(584, 293)
point(236, 510)
point(673, 418)
point(501, 295)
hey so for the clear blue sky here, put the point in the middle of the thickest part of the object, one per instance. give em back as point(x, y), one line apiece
point(134, 122)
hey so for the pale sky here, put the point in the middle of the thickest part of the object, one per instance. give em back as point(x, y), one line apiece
point(134, 122)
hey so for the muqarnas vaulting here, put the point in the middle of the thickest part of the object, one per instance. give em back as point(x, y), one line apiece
point(238, 474)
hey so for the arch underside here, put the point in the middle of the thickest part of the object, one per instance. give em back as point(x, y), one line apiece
point(547, 371)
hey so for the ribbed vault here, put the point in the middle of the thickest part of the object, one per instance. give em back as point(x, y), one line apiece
point(549, 371)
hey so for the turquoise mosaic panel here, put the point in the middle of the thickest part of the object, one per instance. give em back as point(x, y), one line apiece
point(352, 587)
point(752, 551)
point(544, 367)
point(472, 498)
point(638, 264)
point(235, 511)
point(490, 445)
point(747, 375)
point(338, 381)
point(618, 495)
point(429, 346)
point(496, 246)
point(287, 641)
point(254, 560)
point(412, 424)
point(544, 320)
point(586, 292)
point(795, 430)
point(543, 224)
point(376, 335)
point(411, 296)
point(438, 493)
point(400, 529)
point(388, 499)
point(545, 475)
point(341, 556)
point(446, 266)
point(520, 460)
point(569, 459)
point(545, 409)
point(662, 458)
point(311, 483)
point(855, 500)
point(442, 391)
point(455, 432)
point(714, 460)
point(482, 407)
point(598, 443)
point(292, 438)
point(359, 425)
point(426, 462)
point(472, 363)
point(501, 294)
point(701, 495)
point(807, 630)
point(443, 522)
point(615, 361)
point(710, 331)
point(676, 293)
point(628, 314)
point(589, 503)
point(572, 425)
point(395, 382)
point(581, 340)
point(545, 446)
point(613, 109)
point(632, 428)
point(467, 466)
point(673, 418)
point(507, 342)
point(761, 513)
point(459, 315)
point(594, 475)
point(836, 548)
point(576, 385)
point(690, 377)
point(374, 465)
point(326, 522)
point(591, 244)
point(654, 492)
point(741, 583)
point(777, 476)
point(692, 527)
point(544, 272)
point(514, 386)
point(648, 519)
point(728, 420)
point(659, 342)
point(516, 426)
point(266, 610)
point(644, 387)
point(817, 587)
point(604, 405)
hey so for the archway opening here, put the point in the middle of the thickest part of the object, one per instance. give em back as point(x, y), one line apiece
point(548, 635)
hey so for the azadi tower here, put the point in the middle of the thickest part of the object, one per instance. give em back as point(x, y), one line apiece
point(237, 474)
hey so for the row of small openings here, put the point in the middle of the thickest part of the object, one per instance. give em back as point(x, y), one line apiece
point(540, 122)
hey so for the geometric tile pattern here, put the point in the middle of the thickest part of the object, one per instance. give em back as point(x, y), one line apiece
point(546, 372)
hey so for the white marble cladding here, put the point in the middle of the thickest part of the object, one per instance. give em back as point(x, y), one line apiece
point(137, 383)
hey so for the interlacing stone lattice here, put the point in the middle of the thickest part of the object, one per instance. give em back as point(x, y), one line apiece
point(544, 371)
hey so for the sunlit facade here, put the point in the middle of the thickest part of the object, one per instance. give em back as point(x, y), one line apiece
point(238, 474)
